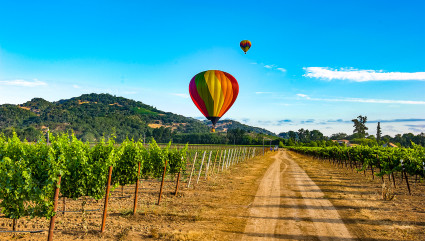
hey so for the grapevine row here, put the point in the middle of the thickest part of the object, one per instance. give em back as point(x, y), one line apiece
point(29, 172)
point(380, 160)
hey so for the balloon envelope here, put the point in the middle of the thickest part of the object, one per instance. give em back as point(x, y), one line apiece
point(245, 45)
point(213, 92)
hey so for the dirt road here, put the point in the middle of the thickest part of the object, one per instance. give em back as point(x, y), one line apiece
point(290, 206)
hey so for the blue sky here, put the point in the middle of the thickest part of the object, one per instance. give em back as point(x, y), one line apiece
point(312, 64)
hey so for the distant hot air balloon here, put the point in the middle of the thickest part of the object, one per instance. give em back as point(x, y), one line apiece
point(245, 45)
point(213, 92)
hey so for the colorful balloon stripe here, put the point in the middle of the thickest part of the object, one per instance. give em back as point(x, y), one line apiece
point(213, 92)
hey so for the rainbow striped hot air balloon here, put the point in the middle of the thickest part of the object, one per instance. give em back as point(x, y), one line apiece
point(245, 45)
point(213, 92)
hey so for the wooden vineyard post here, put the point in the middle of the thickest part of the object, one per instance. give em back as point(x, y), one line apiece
point(178, 180)
point(200, 169)
point(216, 155)
point(227, 158)
point(105, 206)
point(162, 183)
point(349, 160)
point(379, 165)
point(136, 190)
point(208, 166)
point(231, 157)
point(14, 224)
point(407, 181)
point(55, 207)
point(193, 167)
point(392, 174)
point(224, 158)
point(219, 162)
point(64, 205)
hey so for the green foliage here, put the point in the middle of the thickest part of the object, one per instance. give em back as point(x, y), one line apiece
point(130, 153)
point(155, 163)
point(28, 175)
point(177, 159)
point(29, 171)
point(360, 126)
point(387, 160)
point(281, 144)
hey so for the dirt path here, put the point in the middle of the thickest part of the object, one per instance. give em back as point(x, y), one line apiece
point(289, 205)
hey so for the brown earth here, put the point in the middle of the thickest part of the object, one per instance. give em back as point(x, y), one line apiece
point(289, 205)
point(284, 196)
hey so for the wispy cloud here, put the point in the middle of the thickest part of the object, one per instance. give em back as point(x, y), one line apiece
point(23, 83)
point(416, 128)
point(303, 96)
point(307, 121)
point(264, 122)
point(382, 121)
point(245, 120)
point(419, 126)
point(360, 75)
point(397, 120)
point(181, 95)
point(274, 67)
point(284, 122)
point(76, 86)
point(360, 100)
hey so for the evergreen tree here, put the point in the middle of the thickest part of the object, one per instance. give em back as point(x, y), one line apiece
point(360, 125)
point(378, 132)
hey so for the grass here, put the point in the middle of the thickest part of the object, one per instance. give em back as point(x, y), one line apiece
point(140, 110)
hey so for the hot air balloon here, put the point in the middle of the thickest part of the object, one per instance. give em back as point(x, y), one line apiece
point(213, 92)
point(245, 45)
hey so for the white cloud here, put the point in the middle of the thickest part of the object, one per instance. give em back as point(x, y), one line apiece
point(360, 75)
point(181, 95)
point(76, 86)
point(303, 96)
point(23, 83)
point(274, 67)
point(360, 100)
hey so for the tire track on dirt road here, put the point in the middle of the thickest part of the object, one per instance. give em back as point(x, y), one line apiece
point(288, 205)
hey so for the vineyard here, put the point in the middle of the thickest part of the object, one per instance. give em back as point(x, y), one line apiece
point(381, 161)
point(33, 176)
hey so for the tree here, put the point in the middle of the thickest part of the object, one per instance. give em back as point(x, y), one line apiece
point(292, 135)
point(378, 132)
point(360, 125)
point(338, 136)
point(316, 135)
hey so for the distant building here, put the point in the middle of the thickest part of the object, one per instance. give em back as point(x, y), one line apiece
point(342, 142)
point(389, 145)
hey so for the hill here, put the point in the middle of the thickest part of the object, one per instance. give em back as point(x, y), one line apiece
point(90, 116)
point(224, 125)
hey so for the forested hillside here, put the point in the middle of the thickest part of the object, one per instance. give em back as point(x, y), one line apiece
point(91, 116)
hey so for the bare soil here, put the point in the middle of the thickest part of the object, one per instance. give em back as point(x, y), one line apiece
point(289, 205)
point(282, 195)
point(357, 196)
